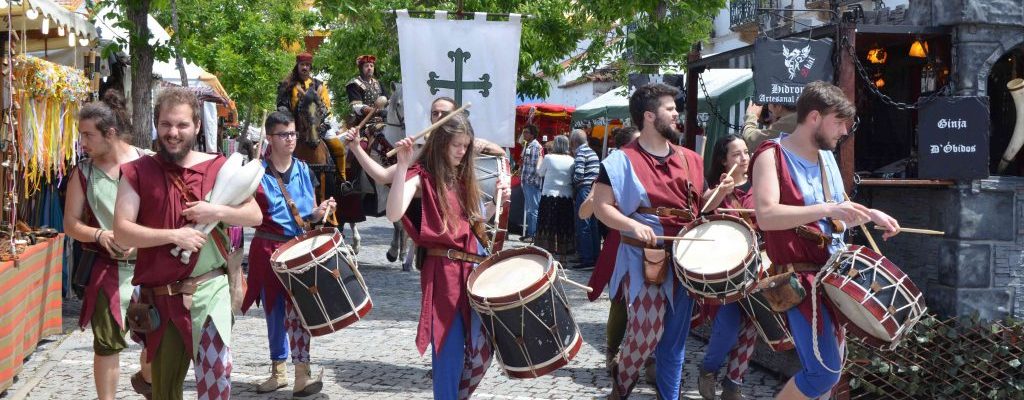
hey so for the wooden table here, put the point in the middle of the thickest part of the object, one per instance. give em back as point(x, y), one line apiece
point(30, 304)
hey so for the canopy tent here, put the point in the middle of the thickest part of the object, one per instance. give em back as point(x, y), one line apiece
point(613, 104)
point(550, 119)
point(30, 16)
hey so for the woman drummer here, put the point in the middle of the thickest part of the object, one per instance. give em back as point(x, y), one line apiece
point(731, 333)
point(441, 219)
point(286, 199)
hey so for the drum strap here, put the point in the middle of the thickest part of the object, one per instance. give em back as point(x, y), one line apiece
point(303, 225)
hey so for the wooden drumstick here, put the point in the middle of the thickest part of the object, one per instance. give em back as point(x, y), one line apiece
point(434, 126)
point(363, 122)
point(914, 230)
point(326, 214)
point(263, 134)
point(671, 238)
point(737, 210)
point(717, 188)
point(577, 284)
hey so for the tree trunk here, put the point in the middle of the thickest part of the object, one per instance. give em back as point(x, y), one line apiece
point(141, 51)
point(176, 41)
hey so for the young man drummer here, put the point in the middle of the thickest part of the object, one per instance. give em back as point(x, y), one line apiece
point(650, 187)
point(286, 197)
point(796, 207)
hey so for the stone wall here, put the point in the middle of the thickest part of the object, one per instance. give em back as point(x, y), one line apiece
point(978, 266)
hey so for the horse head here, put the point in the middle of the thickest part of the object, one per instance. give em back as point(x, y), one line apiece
point(395, 128)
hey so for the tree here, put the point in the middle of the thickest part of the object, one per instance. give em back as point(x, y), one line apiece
point(647, 32)
point(243, 42)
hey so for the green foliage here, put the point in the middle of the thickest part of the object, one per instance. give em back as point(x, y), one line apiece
point(242, 42)
point(662, 32)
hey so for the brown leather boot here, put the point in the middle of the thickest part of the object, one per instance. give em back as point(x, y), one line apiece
point(142, 387)
point(278, 378)
point(706, 384)
point(305, 385)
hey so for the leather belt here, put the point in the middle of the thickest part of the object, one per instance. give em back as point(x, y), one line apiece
point(801, 267)
point(807, 233)
point(666, 212)
point(639, 243)
point(272, 236)
point(456, 255)
point(186, 286)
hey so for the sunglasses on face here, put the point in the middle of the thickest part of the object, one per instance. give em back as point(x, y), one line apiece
point(285, 135)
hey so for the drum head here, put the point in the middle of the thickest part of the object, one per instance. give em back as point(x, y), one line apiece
point(304, 248)
point(857, 314)
point(509, 276)
point(731, 246)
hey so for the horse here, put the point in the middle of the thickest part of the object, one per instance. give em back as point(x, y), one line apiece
point(394, 130)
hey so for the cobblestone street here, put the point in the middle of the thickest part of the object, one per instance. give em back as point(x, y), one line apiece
point(375, 358)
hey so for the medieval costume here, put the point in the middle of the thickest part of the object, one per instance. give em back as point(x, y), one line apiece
point(284, 328)
point(660, 192)
point(801, 183)
point(192, 327)
point(460, 351)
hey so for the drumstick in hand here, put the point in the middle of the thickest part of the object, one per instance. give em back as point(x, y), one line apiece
point(671, 238)
point(915, 230)
point(717, 188)
point(327, 212)
point(363, 122)
point(434, 125)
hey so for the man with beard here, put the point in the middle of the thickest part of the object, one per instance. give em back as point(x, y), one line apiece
point(650, 187)
point(307, 99)
point(801, 207)
point(187, 306)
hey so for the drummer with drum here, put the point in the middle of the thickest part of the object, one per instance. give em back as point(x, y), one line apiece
point(443, 178)
point(732, 332)
point(801, 207)
point(286, 199)
point(650, 187)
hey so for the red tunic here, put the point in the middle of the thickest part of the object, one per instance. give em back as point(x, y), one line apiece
point(662, 184)
point(785, 246)
point(104, 275)
point(161, 205)
point(442, 281)
point(605, 265)
point(261, 276)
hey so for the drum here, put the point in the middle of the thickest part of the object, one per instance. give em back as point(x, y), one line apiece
point(771, 326)
point(321, 276)
point(525, 313)
point(489, 171)
point(720, 271)
point(878, 302)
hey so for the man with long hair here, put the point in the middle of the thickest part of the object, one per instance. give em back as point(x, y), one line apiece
point(306, 98)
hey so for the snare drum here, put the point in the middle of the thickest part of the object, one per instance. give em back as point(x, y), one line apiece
point(771, 326)
point(524, 311)
point(720, 271)
point(320, 274)
point(876, 300)
point(489, 171)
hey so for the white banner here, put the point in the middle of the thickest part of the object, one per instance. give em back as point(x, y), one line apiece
point(475, 61)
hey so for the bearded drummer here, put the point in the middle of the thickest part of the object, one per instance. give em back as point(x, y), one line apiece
point(650, 187)
point(437, 198)
point(732, 334)
point(286, 197)
point(191, 315)
point(803, 215)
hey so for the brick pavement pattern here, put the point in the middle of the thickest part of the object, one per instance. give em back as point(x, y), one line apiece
point(375, 358)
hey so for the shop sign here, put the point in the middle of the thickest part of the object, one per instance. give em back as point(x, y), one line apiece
point(782, 67)
point(952, 139)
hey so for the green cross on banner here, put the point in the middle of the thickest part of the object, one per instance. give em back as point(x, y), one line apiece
point(457, 84)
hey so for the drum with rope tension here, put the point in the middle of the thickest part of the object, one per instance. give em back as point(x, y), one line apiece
point(322, 279)
point(771, 326)
point(720, 271)
point(876, 300)
point(525, 314)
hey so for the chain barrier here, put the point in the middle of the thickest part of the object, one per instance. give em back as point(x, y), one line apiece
point(714, 108)
point(878, 93)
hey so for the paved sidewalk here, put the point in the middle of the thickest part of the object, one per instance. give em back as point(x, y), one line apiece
point(373, 359)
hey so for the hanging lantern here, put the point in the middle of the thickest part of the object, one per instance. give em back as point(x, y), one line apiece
point(877, 55)
point(879, 81)
point(919, 49)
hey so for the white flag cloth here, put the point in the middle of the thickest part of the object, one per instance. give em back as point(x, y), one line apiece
point(479, 57)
